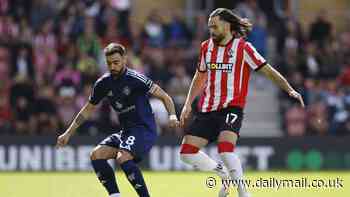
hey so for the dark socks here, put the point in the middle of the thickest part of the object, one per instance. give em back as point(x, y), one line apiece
point(135, 177)
point(105, 174)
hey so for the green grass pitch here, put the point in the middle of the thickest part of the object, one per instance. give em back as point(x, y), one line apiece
point(161, 184)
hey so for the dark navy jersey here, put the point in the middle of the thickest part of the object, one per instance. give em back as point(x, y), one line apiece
point(128, 94)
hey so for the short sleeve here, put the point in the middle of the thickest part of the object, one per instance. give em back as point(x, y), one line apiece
point(99, 91)
point(143, 83)
point(201, 65)
point(252, 57)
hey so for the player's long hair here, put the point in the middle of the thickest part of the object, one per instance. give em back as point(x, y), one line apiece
point(240, 27)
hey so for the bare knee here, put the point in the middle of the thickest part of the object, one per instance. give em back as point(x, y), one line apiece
point(101, 152)
point(96, 154)
point(124, 156)
point(228, 136)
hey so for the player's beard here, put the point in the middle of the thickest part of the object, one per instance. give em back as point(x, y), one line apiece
point(217, 38)
point(116, 73)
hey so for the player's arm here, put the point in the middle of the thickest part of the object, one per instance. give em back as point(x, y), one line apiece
point(159, 93)
point(258, 63)
point(79, 119)
point(197, 85)
point(279, 80)
point(199, 79)
point(98, 93)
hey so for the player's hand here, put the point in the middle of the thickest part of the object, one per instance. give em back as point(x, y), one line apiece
point(186, 111)
point(298, 96)
point(174, 123)
point(62, 140)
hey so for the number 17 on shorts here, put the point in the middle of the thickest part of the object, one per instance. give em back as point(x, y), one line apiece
point(231, 118)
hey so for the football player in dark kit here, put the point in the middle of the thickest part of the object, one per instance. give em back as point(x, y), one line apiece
point(128, 93)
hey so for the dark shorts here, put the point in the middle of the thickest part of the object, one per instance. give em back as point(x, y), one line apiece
point(137, 140)
point(209, 125)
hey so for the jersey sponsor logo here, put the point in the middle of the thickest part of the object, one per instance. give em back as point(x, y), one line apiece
point(226, 67)
point(128, 109)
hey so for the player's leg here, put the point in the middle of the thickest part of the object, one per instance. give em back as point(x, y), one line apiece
point(103, 170)
point(226, 148)
point(135, 143)
point(200, 132)
point(132, 172)
point(232, 122)
point(191, 155)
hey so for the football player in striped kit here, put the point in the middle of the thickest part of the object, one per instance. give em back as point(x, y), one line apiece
point(221, 80)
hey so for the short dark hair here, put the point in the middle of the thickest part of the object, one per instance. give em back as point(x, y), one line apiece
point(112, 48)
point(237, 24)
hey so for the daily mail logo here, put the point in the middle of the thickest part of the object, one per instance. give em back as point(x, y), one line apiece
point(226, 67)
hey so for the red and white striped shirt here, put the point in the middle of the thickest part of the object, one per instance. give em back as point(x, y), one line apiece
point(228, 68)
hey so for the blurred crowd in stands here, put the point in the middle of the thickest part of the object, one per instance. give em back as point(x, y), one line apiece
point(51, 54)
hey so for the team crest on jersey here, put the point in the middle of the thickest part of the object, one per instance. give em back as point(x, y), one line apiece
point(118, 105)
point(226, 67)
point(230, 53)
point(126, 90)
